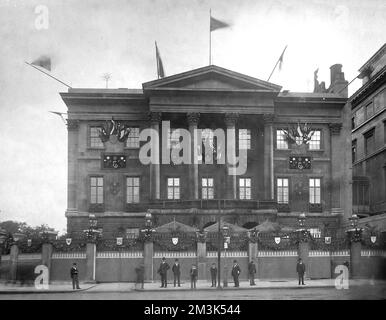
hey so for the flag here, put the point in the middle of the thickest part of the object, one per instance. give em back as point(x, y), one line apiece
point(217, 24)
point(281, 58)
point(44, 62)
point(160, 66)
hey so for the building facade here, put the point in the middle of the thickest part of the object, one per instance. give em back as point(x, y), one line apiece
point(368, 120)
point(283, 176)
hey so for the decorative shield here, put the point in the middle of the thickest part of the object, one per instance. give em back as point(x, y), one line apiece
point(225, 245)
point(175, 240)
point(68, 241)
point(327, 240)
point(29, 242)
point(277, 240)
point(373, 239)
point(119, 241)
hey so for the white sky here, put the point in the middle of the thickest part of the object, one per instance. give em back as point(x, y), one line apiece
point(88, 38)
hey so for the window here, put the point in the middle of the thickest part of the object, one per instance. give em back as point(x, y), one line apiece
point(314, 143)
point(244, 139)
point(369, 110)
point(354, 150)
point(282, 190)
point(360, 116)
point(133, 138)
point(96, 185)
point(369, 142)
point(315, 191)
point(360, 192)
point(245, 188)
point(315, 232)
point(352, 123)
point(281, 142)
point(95, 140)
point(380, 101)
point(207, 190)
point(174, 188)
point(132, 193)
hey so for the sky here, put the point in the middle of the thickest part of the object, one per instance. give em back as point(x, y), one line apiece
point(86, 39)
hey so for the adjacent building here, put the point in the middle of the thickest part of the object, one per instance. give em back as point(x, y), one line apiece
point(284, 177)
point(368, 124)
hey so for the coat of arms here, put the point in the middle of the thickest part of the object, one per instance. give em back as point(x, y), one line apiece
point(119, 241)
point(327, 240)
point(175, 240)
point(373, 239)
point(29, 242)
point(277, 240)
point(68, 241)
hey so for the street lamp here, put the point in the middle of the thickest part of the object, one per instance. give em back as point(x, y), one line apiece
point(354, 233)
point(302, 232)
point(92, 232)
point(226, 240)
point(354, 221)
point(148, 230)
point(302, 219)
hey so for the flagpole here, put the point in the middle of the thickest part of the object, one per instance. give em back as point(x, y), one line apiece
point(31, 65)
point(156, 58)
point(210, 38)
point(281, 56)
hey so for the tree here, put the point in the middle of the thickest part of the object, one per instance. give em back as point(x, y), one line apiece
point(22, 227)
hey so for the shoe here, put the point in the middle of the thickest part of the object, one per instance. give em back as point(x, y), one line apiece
point(78, 288)
point(179, 285)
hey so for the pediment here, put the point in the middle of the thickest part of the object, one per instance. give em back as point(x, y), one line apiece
point(211, 78)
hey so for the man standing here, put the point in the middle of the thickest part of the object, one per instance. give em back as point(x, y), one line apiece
point(162, 270)
point(213, 274)
point(301, 269)
point(140, 275)
point(236, 272)
point(193, 276)
point(74, 276)
point(251, 272)
point(176, 272)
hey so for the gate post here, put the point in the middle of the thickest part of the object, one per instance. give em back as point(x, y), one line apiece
point(201, 255)
point(304, 249)
point(14, 256)
point(148, 253)
point(90, 262)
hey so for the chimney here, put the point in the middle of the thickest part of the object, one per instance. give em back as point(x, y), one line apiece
point(338, 82)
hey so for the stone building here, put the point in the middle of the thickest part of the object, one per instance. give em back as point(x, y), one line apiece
point(284, 176)
point(367, 107)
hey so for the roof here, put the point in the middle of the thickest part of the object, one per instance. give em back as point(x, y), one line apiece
point(175, 226)
point(109, 91)
point(374, 58)
point(232, 227)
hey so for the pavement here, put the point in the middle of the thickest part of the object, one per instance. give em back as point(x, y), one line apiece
point(66, 287)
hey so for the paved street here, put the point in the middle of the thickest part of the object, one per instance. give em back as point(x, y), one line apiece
point(376, 290)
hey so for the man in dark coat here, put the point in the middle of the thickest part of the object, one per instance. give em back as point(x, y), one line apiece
point(213, 274)
point(236, 272)
point(193, 276)
point(162, 270)
point(74, 272)
point(301, 269)
point(176, 272)
point(252, 272)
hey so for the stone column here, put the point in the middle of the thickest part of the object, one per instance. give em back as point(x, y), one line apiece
point(73, 148)
point(230, 122)
point(193, 167)
point(148, 252)
point(14, 256)
point(90, 262)
point(303, 253)
point(46, 257)
point(155, 119)
point(268, 156)
point(337, 166)
point(201, 256)
point(252, 251)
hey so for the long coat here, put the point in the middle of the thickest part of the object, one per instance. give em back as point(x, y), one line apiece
point(251, 268)
point(300, 268)
point(176, 269)
point(163, 268)
point(236, 270)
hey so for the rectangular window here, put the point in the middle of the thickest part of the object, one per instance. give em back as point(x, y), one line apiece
point(315, 191)
point(207, 188)
point(369, 142)
point(369, 110)
point(380, 101)
point(354, 150)
point(244, 139)
point(95, 140)
point(314, 143)
point(282, 190)
point(174, 188)
point(360, 116)
point(281, 142)
point(133, 138)
point(132, 191)
point(96, 186)
point(245, 188)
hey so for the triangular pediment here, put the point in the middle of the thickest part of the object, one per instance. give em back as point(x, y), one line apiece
point(211, 78)
point(175, 226)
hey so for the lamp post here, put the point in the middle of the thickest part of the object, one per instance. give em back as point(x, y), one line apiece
point(148, 230)
point(354, 233)
point(226, 241)
point(92, 232)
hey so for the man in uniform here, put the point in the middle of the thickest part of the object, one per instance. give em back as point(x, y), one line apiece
point(301, 269)
point(213, 274)
point(252, 272)
point(162, 270)
point(176, 272)
point(236, 272)
point(74, 276)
